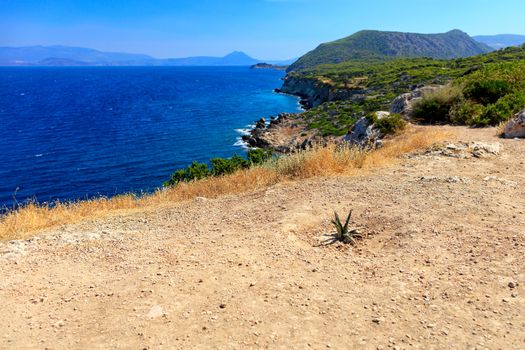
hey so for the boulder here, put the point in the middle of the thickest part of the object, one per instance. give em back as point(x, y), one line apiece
point(483, 149)
point(516, 126)
point(404, 104)
point(364, 133)
point(261, 124)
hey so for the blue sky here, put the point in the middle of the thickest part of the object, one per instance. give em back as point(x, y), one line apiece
point(267, 29)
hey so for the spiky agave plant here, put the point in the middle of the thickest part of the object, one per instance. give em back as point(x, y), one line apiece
point(344, 234)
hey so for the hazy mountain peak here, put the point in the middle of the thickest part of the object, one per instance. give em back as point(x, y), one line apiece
point(501, 41)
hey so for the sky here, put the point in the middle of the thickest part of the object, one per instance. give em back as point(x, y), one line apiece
point(265, 29)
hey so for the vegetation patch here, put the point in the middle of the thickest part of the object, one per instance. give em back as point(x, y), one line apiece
point(388, 125)
point(487, 97)
point(219, 167)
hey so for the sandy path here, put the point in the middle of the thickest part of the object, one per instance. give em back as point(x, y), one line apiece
point(446, 237)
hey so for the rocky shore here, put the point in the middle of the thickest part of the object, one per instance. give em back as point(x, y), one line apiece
point(282, 134)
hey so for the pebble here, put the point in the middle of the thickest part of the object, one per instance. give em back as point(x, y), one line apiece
point(155, 312)
point(378, 320)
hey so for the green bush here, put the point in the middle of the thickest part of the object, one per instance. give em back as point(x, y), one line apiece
point(436, 107)
point(223, 166)
point(501, 111)
point(389, 125)
point(219, 167)
point(487, 91)
point(465, 113)
point(258, 156)
point(178, 176)
point(195, 171)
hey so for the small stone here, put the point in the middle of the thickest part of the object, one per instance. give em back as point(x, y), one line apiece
point(155, 312)
point(59, 324)
point(222, 306)
point(512, 285)
point(377, 320)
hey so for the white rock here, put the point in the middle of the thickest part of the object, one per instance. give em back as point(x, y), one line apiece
point(479, 149)
point(155, 312)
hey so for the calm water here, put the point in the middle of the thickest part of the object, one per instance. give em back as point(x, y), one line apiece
point(72, 133)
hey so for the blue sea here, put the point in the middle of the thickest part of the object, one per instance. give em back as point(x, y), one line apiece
point(77, 133)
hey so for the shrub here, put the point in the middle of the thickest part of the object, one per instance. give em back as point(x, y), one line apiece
point(465, 113)
point(195, 171)
point(435, 107)
point(258, 156)
point(219, 167)
point(389, 125)
point(487, 91)
point(178, 176)
point(501, 111)
point(223, 166)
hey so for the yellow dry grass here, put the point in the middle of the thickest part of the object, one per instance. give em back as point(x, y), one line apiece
point(500, 128)
point(318, 161)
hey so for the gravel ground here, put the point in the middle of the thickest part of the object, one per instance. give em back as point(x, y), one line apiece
point(442, 265)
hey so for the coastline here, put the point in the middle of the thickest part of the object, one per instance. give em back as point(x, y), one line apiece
point(248, 131)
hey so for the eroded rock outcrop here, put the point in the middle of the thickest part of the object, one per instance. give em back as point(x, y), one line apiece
point(516, 126)
point(284, 134)
point(464, 150)
point(365, 134)
point(404, 104)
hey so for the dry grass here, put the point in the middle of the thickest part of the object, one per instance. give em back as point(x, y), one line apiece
point(500, 128)
point(319, 161)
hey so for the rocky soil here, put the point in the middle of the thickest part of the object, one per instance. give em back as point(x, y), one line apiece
point(442, 265)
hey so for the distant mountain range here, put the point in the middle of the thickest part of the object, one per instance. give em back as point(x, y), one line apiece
point(80, 56)
point(366, 44)
point(370, 44)
point(501, 41)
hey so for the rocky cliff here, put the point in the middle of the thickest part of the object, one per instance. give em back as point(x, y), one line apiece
point(314, 92)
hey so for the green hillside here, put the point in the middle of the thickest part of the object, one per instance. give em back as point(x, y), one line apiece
point(378, 45)
point(499, 74)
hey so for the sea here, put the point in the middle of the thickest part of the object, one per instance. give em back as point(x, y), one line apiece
point(73, 133)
